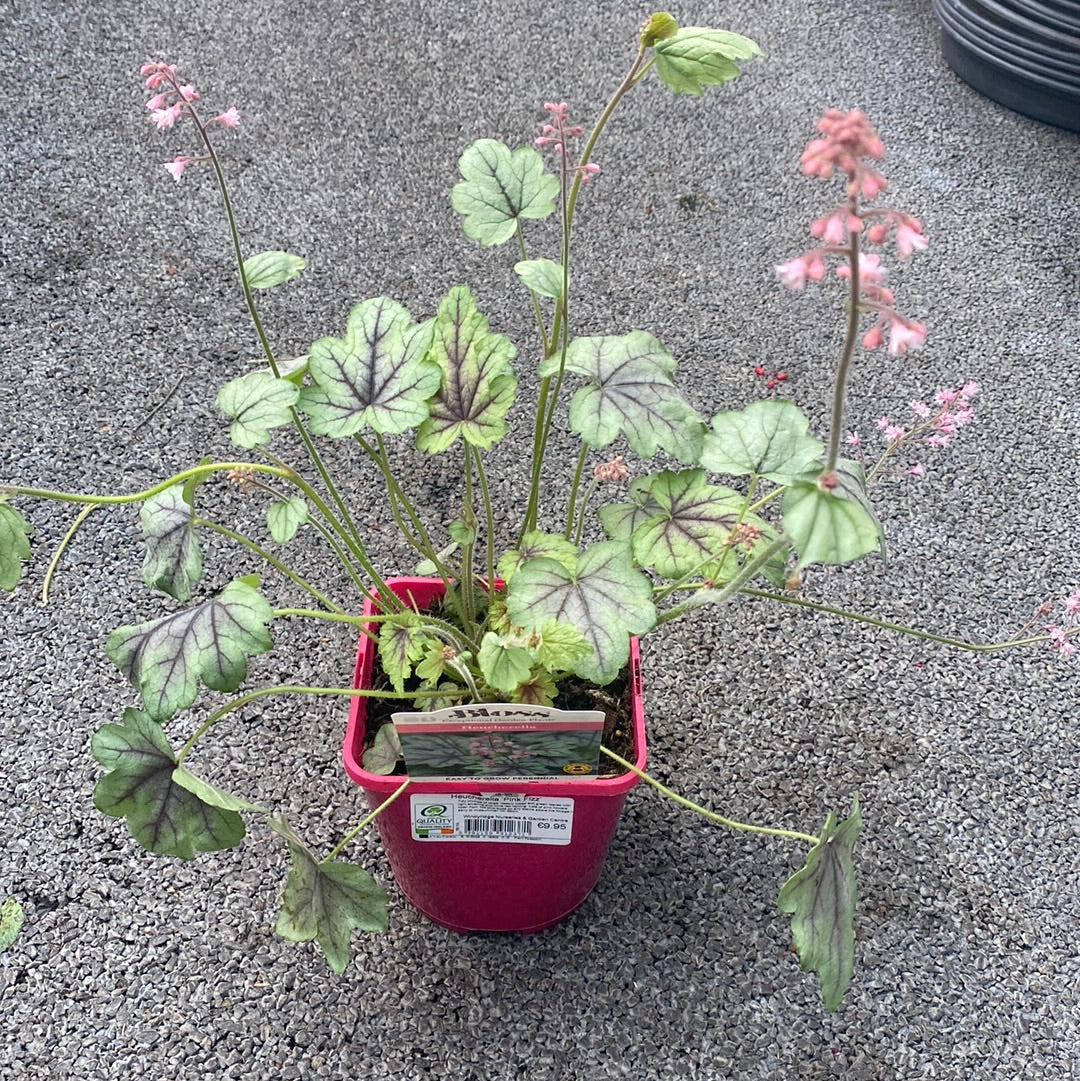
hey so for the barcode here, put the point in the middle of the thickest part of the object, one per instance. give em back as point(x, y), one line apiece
point(497, 825)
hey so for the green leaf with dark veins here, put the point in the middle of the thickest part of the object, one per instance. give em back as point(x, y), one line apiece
point(14, 547)
point(285, 517)
point(536, 545)
point(173, 560)
point(11, 921)
point(621, 519)
point(820, 899)
point(401, 645)
point(691, 526)
point(258, 403)
point(269, 268)
point(165, 658)
point(378, 376)
point(478, 384)
point(827, 526)
point(695, 57)
point(630, 393)
point(604, 597)
point(851, 480)
point(501, 186)
point(325, 900)
point(766, 439)
point(542, 276)
point(385, 750)
point(163, 816)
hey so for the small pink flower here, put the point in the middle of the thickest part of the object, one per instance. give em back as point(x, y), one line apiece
point(853, 440)
point(1072, 603)
point(893, 432)
point(1059, 640)
point(917, 470)
point(189, 93)
point(589, 171)
point(877, 234)
point(230, 118)
point(793, 273)
point(873, 338)
point(945, 396)
point(165, 118)
point(157, 101)
point(904, 336)
point(968, 391)
point(920, 409)
point(177, 167)
point(909, 238)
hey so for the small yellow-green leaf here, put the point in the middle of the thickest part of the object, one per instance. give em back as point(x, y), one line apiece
point(11, 921)
point(270, 268)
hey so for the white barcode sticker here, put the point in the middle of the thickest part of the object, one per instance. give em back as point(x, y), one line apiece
point(499, 816)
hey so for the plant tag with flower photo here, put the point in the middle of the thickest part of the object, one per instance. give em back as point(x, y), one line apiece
point(503, 741)
point(497, 816)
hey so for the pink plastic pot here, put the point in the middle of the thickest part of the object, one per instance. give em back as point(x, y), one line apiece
point(485, 885)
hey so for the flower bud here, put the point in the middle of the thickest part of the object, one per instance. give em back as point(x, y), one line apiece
point(657, 27)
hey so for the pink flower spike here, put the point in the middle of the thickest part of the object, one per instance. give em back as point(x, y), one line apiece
point(230, 118)
point(945, 397)
point(905, 336)
point(894, 432)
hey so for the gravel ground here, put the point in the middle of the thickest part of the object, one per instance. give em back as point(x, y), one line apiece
point(117, 289)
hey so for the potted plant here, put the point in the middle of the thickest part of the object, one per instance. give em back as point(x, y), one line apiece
point(533, 617)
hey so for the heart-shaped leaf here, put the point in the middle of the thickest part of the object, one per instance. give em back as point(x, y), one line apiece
point(631, 394)
point(14, 547)
point(269, 268)
point(821, 901)
point(621, 519)
point(543, 276)
point(561, 647)
point(604, 597)
point(285, 517)
point(537, 545)
point(691, 525)
point(501, 186)
point(478, 383)
point(766, 439)
point(826, 525)
point(326, 900)
point(377, 376)
point(163, 816)
point(385, 750)
point(695, 57)
point(11, 921)
point(166, 658)
point(504, 662)
point(173, 560)
point(258, 403)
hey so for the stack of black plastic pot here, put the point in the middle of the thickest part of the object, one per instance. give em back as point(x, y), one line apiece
point(1022, 53)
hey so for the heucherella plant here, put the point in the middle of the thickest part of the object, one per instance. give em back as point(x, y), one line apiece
point(554, 593)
